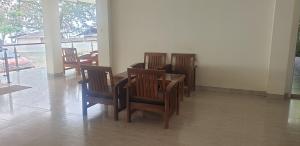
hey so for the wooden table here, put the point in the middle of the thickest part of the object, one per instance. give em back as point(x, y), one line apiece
point(169, 77)
point(120, 90)
point(122, 78)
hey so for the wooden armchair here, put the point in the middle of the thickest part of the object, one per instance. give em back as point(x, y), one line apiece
point(184, 64)
point(99, 86)
point(148, 90)
point(152, 61)
point(72, 60)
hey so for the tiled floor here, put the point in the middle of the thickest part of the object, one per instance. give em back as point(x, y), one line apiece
point(49, 114)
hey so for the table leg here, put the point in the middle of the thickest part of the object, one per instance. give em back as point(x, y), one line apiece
point(177, 98)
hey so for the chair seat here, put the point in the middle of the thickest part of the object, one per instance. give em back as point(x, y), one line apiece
point(103, 94)
point(100, 95)
point(147, 100)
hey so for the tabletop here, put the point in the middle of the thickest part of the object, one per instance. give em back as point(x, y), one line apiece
point(169, 77)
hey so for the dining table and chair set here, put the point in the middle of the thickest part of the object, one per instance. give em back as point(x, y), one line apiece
point(151, 86)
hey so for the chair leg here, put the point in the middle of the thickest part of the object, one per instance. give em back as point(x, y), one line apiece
point(84, 107)
point(177, 105)
point(166, 120)
point(106, 110)
point(194, 80)
point(128, 114)
point(177, 99)
point(84, 100)
point(167, 114)
point(181, 92)
point(188, 92)
point(116, 116)
point(128, 109)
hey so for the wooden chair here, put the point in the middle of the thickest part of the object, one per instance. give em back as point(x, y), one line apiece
point(92, 57)
point(148, 90)
point(72, 60)
point(184, 64)
point(98, 87)
point(152, 61)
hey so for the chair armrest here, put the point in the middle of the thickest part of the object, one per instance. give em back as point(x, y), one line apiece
point(85, 56)
point(94, 54)
point(91, 55)
point(170, 86)
point(170, 92)
point(130, 84)
point(138, 65)
point(168, 68)
point(120, 81)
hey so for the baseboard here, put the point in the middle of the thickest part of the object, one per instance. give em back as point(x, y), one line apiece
point(234, 91)
point(275, 96)
point(245, 92)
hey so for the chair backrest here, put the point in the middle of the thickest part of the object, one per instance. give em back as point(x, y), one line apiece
point(147, 83)
point(182, 63)
point(155, 60)
point(100, 79)
point(69, 55)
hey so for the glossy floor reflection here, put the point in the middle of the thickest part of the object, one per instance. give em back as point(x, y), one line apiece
point(49, 114)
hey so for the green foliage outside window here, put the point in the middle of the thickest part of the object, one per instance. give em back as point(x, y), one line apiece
point(26, 16)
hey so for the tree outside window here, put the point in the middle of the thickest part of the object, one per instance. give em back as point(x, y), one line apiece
point(25, 16)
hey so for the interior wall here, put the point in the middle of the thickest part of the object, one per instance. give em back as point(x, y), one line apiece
point(230, 37)
point(283, 46)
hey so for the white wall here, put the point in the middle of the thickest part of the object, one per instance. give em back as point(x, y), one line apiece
point(230, 37)
point(283, 46)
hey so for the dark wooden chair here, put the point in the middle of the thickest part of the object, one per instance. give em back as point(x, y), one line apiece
point(148, 90)
point(152, 61)
point(98, 86)
point(184, 64)
point(72, 60)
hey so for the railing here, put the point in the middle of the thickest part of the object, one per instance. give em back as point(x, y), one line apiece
point(5, 63)
point(16, 52)
point(69, 43)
